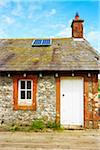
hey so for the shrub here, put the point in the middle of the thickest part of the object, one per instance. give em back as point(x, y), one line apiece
point(53, 125)
point(98, 95)
point(99, 89)
point(14, 128)
point(38, 124)
point(49, 124)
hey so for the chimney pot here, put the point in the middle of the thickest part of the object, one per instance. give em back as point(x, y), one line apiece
point(77, 16)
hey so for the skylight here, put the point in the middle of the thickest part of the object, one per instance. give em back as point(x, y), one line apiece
point(41, 42)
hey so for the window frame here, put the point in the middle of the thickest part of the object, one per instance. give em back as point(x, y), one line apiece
point(16, 80)
point(26, 89)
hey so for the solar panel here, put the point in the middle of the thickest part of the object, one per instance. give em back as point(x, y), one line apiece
point(46, 42)
point(37, 42)
point(41, 42)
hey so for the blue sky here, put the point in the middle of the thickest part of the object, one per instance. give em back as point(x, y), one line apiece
point(49, 18)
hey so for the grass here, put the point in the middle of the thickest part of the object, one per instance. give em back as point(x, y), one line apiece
point(37, 125)
point(53, 125)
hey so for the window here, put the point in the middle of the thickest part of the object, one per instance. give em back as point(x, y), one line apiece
point(25, 92)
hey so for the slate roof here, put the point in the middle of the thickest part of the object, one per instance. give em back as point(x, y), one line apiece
point(63, 54)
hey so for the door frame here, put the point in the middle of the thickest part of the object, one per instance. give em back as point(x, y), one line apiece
point(58, 101)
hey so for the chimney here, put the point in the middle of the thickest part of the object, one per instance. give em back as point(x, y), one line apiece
point(77, 27)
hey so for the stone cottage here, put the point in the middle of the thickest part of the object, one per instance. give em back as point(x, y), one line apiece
point(55, 79)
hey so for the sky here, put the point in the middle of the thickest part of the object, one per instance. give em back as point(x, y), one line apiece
point(49, 18)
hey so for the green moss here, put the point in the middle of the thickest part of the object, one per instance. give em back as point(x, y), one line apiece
point(46, 58)
point(36, 59)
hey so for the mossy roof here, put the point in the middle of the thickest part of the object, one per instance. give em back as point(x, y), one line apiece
point(63, 54)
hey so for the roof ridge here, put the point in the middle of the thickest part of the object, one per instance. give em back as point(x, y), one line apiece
point(54, 38)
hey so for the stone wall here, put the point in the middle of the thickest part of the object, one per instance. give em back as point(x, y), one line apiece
point(46, 102)
point(93, 107)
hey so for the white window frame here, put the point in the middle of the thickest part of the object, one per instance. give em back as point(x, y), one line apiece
point(25, 101)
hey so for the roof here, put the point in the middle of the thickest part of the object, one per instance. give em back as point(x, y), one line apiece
point(63, 54)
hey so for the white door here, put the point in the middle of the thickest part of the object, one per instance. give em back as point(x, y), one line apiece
point(71, 101)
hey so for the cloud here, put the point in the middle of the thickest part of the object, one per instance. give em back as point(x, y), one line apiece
point(52, 12)
point(57, 26)
point(3, 34)
point(8, 20)
point(65, 30)
point(93, 37)
point(38, 13)
point(33, 9)
point(3, 3)
point(17, 11)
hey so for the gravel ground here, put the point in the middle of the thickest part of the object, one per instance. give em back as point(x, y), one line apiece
point(63, 140)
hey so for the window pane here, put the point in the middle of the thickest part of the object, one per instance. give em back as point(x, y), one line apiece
point(28, 84)
point(22, 84)
point(22, 94)
point(28, 94)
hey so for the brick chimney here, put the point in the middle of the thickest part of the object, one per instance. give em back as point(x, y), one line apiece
point(77, 27)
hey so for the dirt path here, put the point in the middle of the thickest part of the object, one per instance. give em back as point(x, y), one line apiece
point(65, 140)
